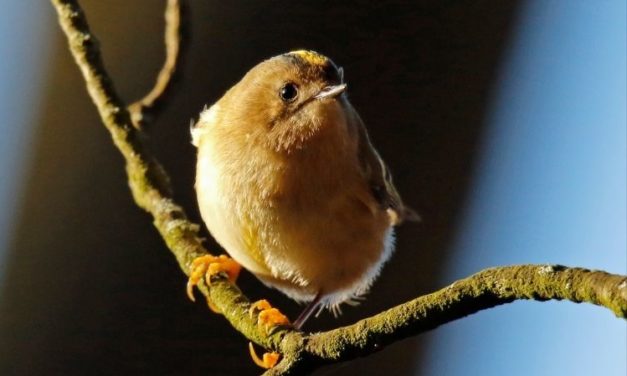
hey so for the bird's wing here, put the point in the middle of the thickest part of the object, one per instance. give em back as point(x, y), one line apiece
point(379, 178)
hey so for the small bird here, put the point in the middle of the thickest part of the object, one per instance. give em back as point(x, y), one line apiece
point(289, 184)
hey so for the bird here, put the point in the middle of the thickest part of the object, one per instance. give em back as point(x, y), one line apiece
point(289, 184)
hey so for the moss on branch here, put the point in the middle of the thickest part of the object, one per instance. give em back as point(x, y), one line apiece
point(484, 290)
point(301, 352)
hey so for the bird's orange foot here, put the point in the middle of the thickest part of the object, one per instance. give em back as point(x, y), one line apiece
point(268, 317)
point(209, 265)
point(269, 359)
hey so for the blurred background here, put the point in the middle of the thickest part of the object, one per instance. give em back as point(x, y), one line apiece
point(504, 123)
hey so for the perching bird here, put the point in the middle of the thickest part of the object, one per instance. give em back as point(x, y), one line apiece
point(289, 184)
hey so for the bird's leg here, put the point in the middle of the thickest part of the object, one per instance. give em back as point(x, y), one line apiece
point(207, 266)
point(307, 312)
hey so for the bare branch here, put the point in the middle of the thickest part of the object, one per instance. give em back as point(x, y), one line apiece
point(151, 190)
point(149, 105)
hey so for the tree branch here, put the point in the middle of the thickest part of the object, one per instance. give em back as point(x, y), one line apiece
point(148, 181)
point(301, 352)
point(486, 289)
point(145, 108)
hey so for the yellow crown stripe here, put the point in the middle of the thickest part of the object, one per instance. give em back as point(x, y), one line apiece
point(311, 57)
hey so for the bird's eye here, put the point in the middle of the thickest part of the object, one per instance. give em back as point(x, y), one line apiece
point(288, 92)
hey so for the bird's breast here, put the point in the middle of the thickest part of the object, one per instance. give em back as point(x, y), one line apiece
point(302, 222)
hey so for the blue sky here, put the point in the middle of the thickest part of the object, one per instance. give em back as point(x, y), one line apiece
point(550, 188)
point(24, 46)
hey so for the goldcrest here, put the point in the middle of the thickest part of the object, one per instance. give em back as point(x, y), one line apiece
point(289, 184)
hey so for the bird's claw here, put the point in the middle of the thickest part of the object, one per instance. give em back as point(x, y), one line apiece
point(268, 360)
point(268, 317)
point(207, 266)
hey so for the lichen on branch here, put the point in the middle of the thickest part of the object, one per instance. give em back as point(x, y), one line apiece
point(301, 352)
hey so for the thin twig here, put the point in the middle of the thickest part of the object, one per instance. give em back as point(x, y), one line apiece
point(301, 352)
point(149, 105)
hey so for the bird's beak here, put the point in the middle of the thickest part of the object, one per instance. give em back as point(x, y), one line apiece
point(331, 91)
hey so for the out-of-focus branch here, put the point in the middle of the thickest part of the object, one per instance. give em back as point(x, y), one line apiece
point(302, 352)
point(173, 39)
